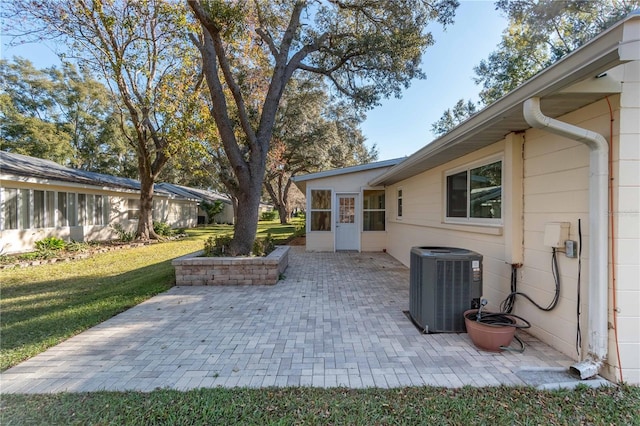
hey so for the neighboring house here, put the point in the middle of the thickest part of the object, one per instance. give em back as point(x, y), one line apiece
point(534, 162)
point(40, 198)
point(225, 216)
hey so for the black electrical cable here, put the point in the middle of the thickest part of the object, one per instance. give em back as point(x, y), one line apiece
point(508, 303)
point(578, 308)
point(556, 278)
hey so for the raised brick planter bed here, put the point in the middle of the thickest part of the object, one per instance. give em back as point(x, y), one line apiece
point(193, 269)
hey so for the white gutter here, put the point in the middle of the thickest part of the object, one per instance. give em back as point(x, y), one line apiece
point(598, 230)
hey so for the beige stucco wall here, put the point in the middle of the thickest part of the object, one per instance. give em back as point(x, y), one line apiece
point(546, 180)
point(351, 183)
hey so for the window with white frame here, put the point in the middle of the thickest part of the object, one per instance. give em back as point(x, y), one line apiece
point(10, 198)
point(474, 194)
point(133, 209)
point(399, 203)
point(373, 210)
point(321, 210)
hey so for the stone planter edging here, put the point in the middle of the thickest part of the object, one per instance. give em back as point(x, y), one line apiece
point(192, 269)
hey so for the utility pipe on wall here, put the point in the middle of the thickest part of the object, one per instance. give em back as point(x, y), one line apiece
point(598, 225)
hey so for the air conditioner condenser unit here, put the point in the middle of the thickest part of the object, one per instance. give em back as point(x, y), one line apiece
point(444, 282)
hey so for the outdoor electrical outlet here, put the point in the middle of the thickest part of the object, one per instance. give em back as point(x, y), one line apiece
point(571, 248)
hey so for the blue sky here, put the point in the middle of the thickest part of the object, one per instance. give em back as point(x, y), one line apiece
point(399, 127)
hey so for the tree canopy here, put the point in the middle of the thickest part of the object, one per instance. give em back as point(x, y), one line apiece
point(141, 50)
point(63, 115)
point(539, 33)
point(250, 50)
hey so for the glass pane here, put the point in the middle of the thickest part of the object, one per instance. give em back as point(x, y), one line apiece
point(457, 195)
point(62, 209)
point(82, 209)
point(51, 209)
point(10, 208)
point(25, 204)
point(373, 221)
point(373, 200)
point(38, 209)
point(320, 199)
point(73, 213)
point(98, 216)
point(347, 213)
point(321, 221)
point(486, 191)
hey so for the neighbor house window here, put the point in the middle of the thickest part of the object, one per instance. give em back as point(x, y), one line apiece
point(63, 209)
point(133, 209)
point(38, 209)
point(25, 203)
point(10, 208)
point(321, 210)
point(373, 210)
point(51, 209)
point(72, 215)
point(82, 209)
point(475, 194)
point(399, 201)
point(98, 217)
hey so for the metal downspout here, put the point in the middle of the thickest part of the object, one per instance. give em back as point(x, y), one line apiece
point(598, 234)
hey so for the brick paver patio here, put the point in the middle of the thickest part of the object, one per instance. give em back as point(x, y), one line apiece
point(335, 320)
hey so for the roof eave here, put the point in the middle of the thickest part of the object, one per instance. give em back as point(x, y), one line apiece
point(602, 53)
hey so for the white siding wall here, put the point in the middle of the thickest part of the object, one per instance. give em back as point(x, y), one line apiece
point(627, 226)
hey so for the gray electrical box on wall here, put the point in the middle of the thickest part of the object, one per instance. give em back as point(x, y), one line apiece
point(444, 282)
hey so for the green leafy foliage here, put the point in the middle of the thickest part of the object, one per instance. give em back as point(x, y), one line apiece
point(540, 33)
point(123, 234)
point(269, 215)
point(264, 246)
point(162, 229)
point(50, 244)
point(212, 209)
point(217, 246)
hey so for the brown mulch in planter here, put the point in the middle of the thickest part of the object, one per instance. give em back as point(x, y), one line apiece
point(298, 241)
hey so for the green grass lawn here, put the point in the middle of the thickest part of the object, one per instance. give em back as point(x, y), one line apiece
point(289, 406)
point(43, 305)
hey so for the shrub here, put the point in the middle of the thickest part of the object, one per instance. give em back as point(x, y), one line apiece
point(50, 244)
point(269, 216)
point(217, 246)
point(162, 229)
point(123, 234)
point(264, 246)
point(212, 209)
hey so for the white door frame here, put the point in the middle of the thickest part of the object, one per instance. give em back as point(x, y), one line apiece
point(356, 223)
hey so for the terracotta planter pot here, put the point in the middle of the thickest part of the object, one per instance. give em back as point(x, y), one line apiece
point(488, 337)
